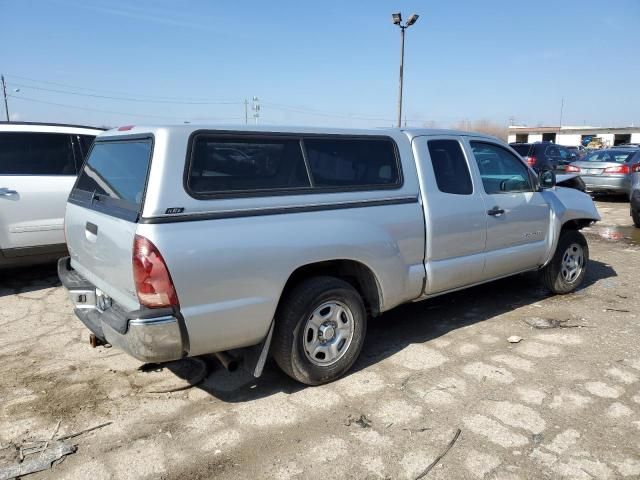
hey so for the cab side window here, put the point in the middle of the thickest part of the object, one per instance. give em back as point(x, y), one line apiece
point(450, 167)
point(500, 170)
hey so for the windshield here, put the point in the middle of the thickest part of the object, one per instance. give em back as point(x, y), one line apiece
point(609, 156)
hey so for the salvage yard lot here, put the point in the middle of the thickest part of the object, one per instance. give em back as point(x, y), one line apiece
point(562, 403)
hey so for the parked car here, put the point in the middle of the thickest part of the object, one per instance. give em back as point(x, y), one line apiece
point(545, 155)
point(634, 197)
point(38, 166)
point(608, 170)
point(189, 240)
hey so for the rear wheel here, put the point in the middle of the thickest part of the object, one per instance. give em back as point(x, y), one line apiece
point(566, 270)
point(635, 215)
point(319, 330)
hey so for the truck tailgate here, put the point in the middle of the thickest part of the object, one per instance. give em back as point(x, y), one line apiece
point(100, 247)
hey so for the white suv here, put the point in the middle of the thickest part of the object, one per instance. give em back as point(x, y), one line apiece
point(38, 166)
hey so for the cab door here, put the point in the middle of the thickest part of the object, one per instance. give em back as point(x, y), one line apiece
point(455, 214)
point(517, 215)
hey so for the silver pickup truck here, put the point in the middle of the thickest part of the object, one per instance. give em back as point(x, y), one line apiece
point(191, 240)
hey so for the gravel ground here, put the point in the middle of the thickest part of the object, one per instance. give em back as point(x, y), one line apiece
point(562, 403)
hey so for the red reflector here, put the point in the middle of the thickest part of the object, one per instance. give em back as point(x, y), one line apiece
point(124, 128)
point(618, 169)
point(531, 161)
point(151, 277)
point(572, 168)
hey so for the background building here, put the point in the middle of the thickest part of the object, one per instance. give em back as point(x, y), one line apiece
point(573, 136)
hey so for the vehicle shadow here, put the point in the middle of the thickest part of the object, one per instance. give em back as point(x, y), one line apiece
point(28, 279)
point(611, 198)
point(393, 331)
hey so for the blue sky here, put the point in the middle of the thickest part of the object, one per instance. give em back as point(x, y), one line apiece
point(321, 63)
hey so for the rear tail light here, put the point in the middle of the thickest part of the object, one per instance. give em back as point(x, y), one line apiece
point(636, 168)
point(151, 276)
point(531, 161)
point(617, 169)
point(572, 168)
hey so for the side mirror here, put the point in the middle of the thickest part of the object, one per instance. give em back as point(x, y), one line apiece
point(547, 179)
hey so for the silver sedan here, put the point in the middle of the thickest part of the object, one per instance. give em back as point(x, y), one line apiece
point(607, 170)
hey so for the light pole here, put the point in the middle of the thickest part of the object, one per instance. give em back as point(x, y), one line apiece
point(397, 20)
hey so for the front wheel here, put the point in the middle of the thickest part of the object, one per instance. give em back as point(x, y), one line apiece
point(635, 215)
point(566, 270)
point(319, 330)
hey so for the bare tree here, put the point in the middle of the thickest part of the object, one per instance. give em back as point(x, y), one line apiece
point(482, 126)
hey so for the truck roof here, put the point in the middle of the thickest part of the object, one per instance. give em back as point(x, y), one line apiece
point(191, 127)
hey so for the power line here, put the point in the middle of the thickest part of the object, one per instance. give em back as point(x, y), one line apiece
point(76, 87)
point(114, 112)
point(126, 99)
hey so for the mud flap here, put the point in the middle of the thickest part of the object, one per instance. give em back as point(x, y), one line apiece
point(255, 357)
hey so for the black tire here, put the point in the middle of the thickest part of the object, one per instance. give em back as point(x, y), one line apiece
point(288, 345)
point(552, 274)
point(635, 215)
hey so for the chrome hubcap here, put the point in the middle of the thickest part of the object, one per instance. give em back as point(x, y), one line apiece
point(328, 333)
point(572, 263)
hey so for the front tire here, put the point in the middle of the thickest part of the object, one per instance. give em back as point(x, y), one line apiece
point(319, 330)
point(566, 270)
point(635, 215)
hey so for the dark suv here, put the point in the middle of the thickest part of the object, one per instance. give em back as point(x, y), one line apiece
point(545, 155)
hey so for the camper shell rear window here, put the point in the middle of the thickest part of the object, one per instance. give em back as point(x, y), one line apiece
point(114, 176)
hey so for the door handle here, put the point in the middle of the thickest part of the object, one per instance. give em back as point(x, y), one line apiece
point(7, 192)
point(495, 211)
point(92, 228)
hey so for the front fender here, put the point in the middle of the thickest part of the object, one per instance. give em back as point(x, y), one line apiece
point(567, 205)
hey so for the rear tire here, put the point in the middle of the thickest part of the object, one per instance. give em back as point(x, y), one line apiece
point(566, 270)
point(635, 215)
point(319, 330)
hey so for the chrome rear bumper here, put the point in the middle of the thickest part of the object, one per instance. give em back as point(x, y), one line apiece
point(149, 335)
point(149, 339)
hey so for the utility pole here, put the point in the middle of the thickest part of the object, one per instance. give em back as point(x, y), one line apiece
point(246, 111)
point(4, 92)
point(256, 109)
point(561, 109)
point(397, 20)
